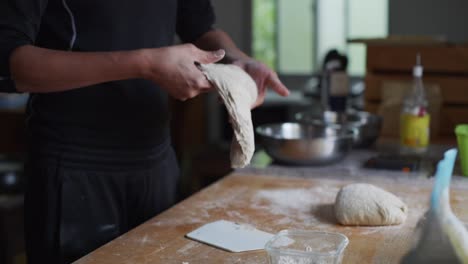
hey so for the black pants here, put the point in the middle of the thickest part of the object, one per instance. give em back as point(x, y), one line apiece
point(74, 204)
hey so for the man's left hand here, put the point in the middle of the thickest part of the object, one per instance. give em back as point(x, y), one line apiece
point(263, 76)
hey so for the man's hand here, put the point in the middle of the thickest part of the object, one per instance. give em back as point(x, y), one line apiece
point(263, 76)
point(174, 69)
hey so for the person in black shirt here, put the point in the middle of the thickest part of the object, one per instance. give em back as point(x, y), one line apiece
point(99, 73)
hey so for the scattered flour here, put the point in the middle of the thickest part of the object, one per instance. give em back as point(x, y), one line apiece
point(229, 198)
point(293, 200)
point(284, 221)
point(185, 250)
point(236, 216)
point(176, 222)
point(295, 204)
point(144, 240)
point(287, 201)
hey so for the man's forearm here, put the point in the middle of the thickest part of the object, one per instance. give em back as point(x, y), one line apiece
point(41, 70)
point(218, 39)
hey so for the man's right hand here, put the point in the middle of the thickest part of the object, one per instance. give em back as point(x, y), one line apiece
point(40, 70)
point(174, 69)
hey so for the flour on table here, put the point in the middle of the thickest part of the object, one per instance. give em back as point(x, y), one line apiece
point(297, 207)
point(296, 201)
point(366, 204)
point(185, 250)
point(238, 92)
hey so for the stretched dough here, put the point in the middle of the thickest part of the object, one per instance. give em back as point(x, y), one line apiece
point(366, 204)
point(238, 92)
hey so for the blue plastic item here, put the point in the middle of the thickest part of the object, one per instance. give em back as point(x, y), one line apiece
point(442, 236)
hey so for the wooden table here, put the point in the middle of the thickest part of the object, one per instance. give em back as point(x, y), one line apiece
point(273, 203)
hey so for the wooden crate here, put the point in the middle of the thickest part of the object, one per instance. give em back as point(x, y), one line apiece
point(437, 59)
point(445, 66)
point(450, 116)
point(454, 89)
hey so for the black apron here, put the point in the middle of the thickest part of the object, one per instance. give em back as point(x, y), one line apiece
point(74, 204)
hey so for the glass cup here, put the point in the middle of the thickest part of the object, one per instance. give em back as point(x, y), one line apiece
point(306, 247)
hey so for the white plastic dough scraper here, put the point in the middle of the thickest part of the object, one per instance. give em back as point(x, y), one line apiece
point(231, 236)
point(442, 236)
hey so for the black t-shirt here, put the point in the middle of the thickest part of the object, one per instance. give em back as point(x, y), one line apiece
point(130, 114)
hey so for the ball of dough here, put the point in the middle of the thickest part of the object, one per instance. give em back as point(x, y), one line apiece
point(366, 204)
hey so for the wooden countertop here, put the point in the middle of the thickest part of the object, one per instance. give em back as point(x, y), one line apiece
point(274, 203)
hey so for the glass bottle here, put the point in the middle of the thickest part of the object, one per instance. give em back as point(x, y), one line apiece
point(414, 117)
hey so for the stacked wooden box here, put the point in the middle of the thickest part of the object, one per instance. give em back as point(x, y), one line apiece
point(444, 65)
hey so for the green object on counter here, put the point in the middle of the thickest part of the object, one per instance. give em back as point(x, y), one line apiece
point(462, 138)
point(261, 159)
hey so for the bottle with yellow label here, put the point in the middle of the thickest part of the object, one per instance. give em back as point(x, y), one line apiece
point(415, 119)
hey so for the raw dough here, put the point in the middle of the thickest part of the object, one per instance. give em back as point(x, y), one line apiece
point(366, 204)
point(238, 92)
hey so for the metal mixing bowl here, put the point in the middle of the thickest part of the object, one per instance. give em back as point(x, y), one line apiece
point(330, 118)
point(305, 144)
point(366, 125)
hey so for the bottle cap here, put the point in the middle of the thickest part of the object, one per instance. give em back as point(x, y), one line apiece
point(418, 68)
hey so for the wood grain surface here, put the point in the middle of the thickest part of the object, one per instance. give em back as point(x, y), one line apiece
point(453, 88)
point(437, 59)
point(450, 117)
point(272, 204)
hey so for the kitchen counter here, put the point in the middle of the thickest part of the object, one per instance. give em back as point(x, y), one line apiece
point(277, 198)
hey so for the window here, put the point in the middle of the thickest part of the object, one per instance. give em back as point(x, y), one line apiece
point(293, 36)
point(264, 31)
point(366, 19)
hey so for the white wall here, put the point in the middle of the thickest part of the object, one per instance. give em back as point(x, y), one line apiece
point(430, 17)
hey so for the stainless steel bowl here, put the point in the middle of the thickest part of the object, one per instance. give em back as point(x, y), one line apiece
point(330, 118)
point(305, 144)
point(367, 126)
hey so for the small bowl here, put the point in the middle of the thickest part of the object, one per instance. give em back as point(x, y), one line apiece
point(300, 246)
point(305, 144)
